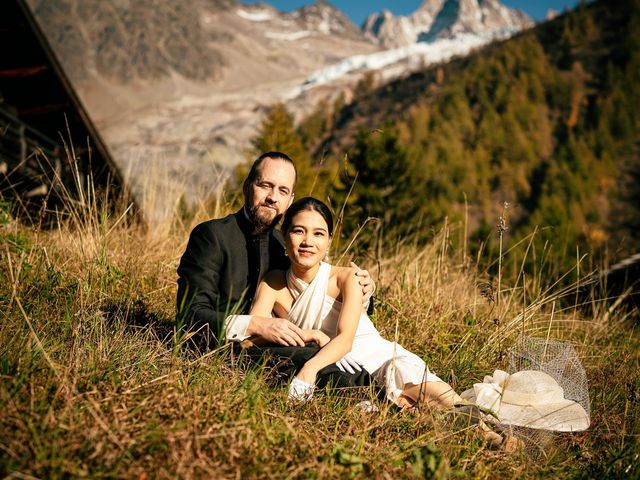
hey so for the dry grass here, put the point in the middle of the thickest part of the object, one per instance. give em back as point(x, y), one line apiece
point(94, 382)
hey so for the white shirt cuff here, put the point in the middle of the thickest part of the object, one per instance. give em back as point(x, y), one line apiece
point(236, 327)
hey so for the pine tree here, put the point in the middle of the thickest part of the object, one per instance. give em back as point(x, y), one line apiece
point(381, 184)
point(277, 133)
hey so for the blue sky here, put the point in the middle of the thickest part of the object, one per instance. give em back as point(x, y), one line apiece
point(358, 10)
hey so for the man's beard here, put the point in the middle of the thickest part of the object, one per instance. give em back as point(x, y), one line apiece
point(262, 223)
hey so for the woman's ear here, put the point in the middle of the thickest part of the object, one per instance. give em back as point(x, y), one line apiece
point(326, 255)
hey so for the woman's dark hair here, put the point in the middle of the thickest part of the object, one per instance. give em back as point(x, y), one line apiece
point(308, 203)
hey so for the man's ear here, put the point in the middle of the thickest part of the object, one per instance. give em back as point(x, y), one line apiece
point(291, 199)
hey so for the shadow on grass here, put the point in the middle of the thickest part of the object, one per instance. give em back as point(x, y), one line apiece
point(137, 316)
point(278, 364)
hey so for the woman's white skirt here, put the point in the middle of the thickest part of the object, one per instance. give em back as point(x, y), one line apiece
point(390, 364)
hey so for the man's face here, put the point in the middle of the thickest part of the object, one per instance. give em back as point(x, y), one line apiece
point(269, 196)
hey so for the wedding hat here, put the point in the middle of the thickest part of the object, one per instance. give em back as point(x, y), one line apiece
point(529, 398)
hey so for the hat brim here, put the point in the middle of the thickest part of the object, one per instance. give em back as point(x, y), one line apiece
point(564, 416)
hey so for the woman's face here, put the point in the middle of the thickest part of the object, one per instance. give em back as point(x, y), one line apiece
point(307, 240)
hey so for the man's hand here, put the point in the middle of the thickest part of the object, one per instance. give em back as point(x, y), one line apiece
point(366, 282)
point(276, 330)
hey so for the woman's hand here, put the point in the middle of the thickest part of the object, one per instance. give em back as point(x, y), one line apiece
point(308, 374)
point(303, 384)
point(300, 391)
point(316, 336)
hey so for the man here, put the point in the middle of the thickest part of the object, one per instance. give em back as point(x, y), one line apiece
point(225, 260)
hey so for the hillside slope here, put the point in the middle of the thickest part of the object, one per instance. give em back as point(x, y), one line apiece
point(176, 88)
point(547, 121)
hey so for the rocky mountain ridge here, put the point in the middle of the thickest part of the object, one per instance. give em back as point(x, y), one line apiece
point(125, 41)
point(437, 19)
point(179, 89)
point(325, 18)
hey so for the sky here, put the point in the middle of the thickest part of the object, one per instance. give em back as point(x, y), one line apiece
point(357, 10)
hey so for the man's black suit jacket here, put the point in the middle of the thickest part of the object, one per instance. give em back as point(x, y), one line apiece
point(220, 270)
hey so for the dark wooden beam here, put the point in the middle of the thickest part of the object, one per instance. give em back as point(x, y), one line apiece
point(22, 71)
point(41, 109)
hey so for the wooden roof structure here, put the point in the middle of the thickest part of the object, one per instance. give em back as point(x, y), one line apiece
point(49, 147)
point(622, 282)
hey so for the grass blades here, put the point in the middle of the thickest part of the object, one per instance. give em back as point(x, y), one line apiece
point(95, 382)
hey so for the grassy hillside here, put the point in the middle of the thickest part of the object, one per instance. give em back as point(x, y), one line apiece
point(546, 122)
point(94, 382)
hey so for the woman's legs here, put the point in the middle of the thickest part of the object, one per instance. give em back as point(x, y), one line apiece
point(438, 395)
point(441, 396)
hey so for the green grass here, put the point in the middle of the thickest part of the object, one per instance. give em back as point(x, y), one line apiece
point(94, 381)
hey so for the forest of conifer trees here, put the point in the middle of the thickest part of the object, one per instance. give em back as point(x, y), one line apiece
point(545, 124)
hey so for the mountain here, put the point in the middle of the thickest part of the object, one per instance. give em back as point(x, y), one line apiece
point(125, 41)
point(540, 129)
point(325, 18)
point(151, 39)
point(178, 89)
point(437, 19)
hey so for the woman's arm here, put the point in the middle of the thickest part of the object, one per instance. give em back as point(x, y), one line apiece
point(265, 328)
point(341, 344)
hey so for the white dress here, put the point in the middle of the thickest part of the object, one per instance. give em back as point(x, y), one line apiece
point(389, 363)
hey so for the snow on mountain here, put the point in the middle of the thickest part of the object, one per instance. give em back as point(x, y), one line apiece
point(289, 36)
point(436, 19)
point(255, 16)
point(435, 32)
point(420, 53)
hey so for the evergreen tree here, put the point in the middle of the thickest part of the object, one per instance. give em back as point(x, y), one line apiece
point(547, 121)
point(380, 183)
point(277, 133)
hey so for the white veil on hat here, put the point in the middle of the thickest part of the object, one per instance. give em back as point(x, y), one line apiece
point(529, 398)
point(559, 360)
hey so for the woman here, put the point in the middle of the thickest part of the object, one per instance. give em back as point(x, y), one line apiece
point(325, 301)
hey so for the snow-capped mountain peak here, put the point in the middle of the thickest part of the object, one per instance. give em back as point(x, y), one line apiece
point(325, 18)
point(438, 19)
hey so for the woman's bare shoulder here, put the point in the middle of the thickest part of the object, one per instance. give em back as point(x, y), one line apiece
point(343, 274)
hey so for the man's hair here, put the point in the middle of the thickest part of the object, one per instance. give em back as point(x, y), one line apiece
point(255, 168)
